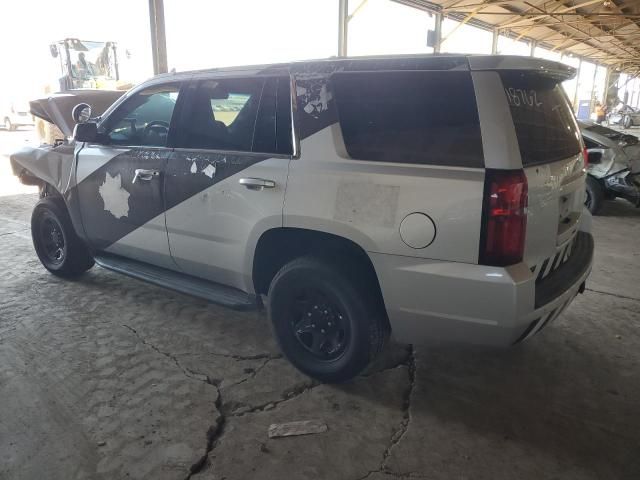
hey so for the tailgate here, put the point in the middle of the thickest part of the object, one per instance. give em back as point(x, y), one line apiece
point(551, 151)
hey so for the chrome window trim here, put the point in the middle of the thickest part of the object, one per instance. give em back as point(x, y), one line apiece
point(232, 152)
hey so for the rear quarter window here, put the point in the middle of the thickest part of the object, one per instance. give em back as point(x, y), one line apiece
point(544, 122)
point(417, 117)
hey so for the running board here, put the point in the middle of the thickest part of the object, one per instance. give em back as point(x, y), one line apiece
point(180, 282)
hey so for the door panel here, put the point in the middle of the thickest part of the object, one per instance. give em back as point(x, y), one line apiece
point(120, 179)
point(212, 218)
point(231, 129)
point(120, 216)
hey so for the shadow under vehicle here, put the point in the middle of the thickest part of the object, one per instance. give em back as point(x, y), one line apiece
point(614, 165)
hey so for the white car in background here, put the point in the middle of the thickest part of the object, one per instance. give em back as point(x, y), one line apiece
point(14, 115)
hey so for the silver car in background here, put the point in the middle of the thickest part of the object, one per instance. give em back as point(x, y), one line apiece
point(614, 165)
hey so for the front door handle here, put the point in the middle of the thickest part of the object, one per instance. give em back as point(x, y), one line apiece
point(257, 183)
point(146, 175)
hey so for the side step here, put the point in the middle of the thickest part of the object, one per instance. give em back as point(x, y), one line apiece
point(180, 282)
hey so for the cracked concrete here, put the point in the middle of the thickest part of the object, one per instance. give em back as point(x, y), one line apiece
point(106, 377)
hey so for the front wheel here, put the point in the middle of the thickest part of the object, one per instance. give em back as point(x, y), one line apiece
point(327, 325)
point(627, 122)
point(8, 125)
point(58, 247)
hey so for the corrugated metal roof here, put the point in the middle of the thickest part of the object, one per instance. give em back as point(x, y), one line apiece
point(606, 31)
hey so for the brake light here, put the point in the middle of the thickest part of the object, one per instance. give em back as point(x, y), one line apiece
point(504, 217)
point(585, 155)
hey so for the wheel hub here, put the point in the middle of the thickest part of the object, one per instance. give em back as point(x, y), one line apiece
point(321, 329)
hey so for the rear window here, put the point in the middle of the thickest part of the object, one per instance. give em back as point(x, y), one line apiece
point(409, 117)
point(544, 123)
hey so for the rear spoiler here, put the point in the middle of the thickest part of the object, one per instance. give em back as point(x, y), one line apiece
point(57, 108)
point(548, 68)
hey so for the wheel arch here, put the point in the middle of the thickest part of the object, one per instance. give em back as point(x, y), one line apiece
point(277, 246)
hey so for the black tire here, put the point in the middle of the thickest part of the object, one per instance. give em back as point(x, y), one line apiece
point(8, 126)
point(58, 247)
point(626, 121)
point(595, 195)
point(312, 299)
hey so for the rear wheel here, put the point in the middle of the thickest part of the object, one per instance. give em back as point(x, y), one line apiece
point(327, 325)
point(8, 125)
point(627, 122)
point(57, 245)
point(595, 195)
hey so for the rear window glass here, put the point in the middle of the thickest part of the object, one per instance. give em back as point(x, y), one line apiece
point(409, 117)
point(544, 123)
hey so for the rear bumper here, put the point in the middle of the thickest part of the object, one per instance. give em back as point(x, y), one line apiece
point(430, 301)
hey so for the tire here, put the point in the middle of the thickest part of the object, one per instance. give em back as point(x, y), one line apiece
point(626, 121)
point(8, 126)
point(325, 321)
point(58, 247)
point(595, 195)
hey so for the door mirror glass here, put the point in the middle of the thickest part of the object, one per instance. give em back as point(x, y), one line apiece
point(81, 113)
point(85, 132)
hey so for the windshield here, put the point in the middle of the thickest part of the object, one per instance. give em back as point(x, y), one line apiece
point(91, 60)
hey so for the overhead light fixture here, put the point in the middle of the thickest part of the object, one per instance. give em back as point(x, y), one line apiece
point(607, 3)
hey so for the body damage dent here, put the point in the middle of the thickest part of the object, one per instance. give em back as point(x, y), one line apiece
point(52, 165)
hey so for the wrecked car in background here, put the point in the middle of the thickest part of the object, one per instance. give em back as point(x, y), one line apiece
point(624, 115)
point(614, 165)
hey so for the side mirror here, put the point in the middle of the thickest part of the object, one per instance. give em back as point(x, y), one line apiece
point(53, 49)
point(85, 132)
point(81, 113)
point(594, 157)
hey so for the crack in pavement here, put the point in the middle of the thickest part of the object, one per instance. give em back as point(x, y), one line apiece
point(255, 371)
point(188, 372)
point(402, 429)
point(215, 431)
point(613, 294)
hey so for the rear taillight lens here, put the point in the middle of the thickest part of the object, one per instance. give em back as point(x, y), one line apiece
point(504, 217)
point(585, 154)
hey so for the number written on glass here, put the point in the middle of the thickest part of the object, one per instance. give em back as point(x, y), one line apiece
point(522, 98)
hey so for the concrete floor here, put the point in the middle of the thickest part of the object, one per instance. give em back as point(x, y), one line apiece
point(107, 377)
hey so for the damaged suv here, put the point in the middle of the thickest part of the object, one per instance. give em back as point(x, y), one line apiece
point(436, 198)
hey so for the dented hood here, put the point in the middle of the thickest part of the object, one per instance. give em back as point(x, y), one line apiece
point(57, 107)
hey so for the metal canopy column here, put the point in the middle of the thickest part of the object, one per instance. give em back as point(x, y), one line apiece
point(158, 36)
point(438, 29)
point(343, 27)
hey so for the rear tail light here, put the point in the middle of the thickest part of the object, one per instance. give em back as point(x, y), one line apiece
point(585, 155)
point(504, 217)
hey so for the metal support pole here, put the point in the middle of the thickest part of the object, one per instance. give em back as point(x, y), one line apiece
point(593, 88)
point(343, 27)
point(605, 94)
point(438, 30)
point(158, 36)
point(534, 44)
point(494, 41)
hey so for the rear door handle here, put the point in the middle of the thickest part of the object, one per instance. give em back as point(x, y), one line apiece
point(146, 175)
point(257, 183)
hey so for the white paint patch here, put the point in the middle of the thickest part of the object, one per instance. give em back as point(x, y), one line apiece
point(114, 196)
point(209, 171)
point(194, 167)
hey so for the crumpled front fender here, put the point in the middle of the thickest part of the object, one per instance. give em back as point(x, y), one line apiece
point(52, 165)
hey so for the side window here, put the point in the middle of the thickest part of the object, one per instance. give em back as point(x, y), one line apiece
point(222, 115)
point(273, 126)
point(422, 117)
point(144, 119)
